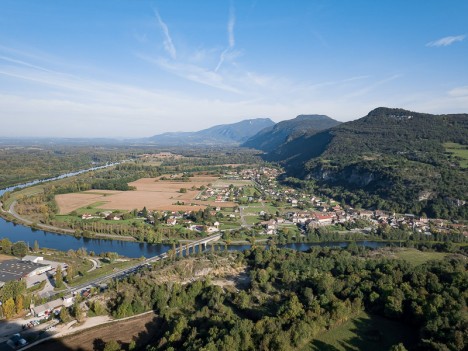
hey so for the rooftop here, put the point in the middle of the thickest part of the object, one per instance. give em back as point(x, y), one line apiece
point(16, 269)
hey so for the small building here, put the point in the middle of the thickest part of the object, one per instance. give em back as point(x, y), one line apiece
point(52, 306)
point(171, 221)
point(211, 230)
point(34, 259)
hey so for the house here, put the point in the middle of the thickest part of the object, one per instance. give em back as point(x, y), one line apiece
point(113, 217)
point(52, 306)
point(269, 225)
point(366, 214)
point(321, 219)
point(211, 230)
point(87, 216)
point(171, 221)
point(68, 299)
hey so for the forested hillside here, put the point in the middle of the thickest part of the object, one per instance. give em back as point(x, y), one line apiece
point(269, 139)
point(391, 159)
point(292, 297)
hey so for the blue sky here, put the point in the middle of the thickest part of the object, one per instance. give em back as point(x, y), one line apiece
point(128, 68)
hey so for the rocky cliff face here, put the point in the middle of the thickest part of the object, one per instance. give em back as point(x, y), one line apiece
point(350, 176)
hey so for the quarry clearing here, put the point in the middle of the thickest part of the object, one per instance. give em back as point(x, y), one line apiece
point(153, 193)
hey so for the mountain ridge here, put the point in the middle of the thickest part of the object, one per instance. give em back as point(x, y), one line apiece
point(391, 159)
point(272, 137)
point(234, 133)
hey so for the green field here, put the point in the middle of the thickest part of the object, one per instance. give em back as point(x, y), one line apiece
point(416, 257)
point(252, 219)
point(257, 208)
point(459, 152)
point(365, 332)
point(220, 183)
point(105, 269)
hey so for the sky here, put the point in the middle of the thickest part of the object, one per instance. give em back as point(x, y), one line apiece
point(136, 68)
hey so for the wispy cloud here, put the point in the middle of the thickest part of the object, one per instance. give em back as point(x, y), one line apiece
point(23, 63)
point(446, 41)
point(230, 26)
point(371, 87)
point(192, 72)
point(231, 38)
point(168, 43)
point(459, 91)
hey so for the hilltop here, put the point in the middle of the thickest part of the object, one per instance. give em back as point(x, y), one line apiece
point(390, 159)
point(269, 139)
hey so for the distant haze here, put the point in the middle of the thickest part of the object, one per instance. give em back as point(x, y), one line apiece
point(137, 68)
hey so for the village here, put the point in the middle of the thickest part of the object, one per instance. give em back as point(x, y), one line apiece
point(266, 206)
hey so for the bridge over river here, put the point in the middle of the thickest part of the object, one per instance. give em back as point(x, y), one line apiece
point(200, 244)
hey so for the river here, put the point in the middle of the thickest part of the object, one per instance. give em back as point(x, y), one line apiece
point(18, 232)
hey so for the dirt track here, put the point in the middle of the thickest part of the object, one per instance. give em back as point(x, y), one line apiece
point(141, 329)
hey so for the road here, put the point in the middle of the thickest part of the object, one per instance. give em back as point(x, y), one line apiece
point(123, 272)
point(241, 213)
point(95, 264)
point(28, 222)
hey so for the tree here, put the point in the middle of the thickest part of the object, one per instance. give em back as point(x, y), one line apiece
point(77, 312)
point(12, 289)
point(58, 277)
point(98, 308)
point(9, 308)
point(19, 301)
point(65, 315)
point(112, 256)
point(6, 245)
point(70, 273)
point(19, 249)
point(182, 190)
point(36, 246)
point(112, 345)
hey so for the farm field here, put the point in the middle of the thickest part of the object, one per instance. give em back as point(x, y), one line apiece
point(150, 192)
point(224, 183)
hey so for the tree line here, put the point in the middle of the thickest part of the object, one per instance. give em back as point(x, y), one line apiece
point(293, 296)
